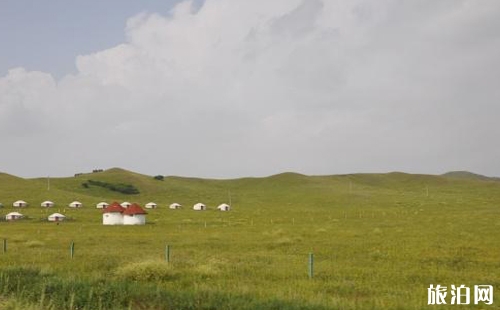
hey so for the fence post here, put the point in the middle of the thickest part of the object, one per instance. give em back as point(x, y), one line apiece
point(311, 265)
point(5, 245)
point(72, 249)
point(167, 253)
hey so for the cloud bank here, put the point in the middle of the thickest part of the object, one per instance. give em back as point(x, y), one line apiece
point(241, 88)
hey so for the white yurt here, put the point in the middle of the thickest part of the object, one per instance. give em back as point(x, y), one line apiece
point(20, 204)
point(151, 205)
point(12, 216)
point(56, 217)
point(199, 207)
point(134, 215)
point(175, 205)
point(113, 214)
point(125, 204)
point(75, 204)
point(47, 204)
point(102, 205)
point(224, 207)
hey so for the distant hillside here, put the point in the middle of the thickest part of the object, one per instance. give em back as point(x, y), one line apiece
point(276, 190)
point(469, 176)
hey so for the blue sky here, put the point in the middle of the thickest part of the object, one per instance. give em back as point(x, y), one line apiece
point(231, 88)
point(48, 35)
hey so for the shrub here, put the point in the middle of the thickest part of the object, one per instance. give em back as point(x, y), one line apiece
point(34, 244)
point(119, 187)
point(159, 177)
point(146, 271)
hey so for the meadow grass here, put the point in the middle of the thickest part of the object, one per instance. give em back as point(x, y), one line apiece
point(379, 241)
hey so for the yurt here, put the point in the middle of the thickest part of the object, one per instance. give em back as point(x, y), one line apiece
point(134, 215)
point(56, 217)
point(175, 205)
point(151, 205)
point(113, 214)
point(125, 204)
point(12, 216)
point(101, 205)
point(223, 207)
point(199, 207)
point(47, 204)
point(20, 204)
point(75, 204)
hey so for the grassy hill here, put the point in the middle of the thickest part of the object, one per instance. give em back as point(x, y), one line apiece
point(285, 187)
point(469, 175)
point(379, 241)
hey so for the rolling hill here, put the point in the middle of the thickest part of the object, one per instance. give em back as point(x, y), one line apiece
point(290, 188)
point(469, 175)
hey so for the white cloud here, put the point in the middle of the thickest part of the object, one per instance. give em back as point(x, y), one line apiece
point(256, 87)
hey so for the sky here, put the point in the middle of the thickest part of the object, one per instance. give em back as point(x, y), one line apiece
point(235, 88)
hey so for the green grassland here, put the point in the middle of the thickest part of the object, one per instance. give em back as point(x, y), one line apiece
point(379, 241)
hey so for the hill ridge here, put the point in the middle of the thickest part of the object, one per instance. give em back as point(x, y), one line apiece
point(463, 174)
point(458, 174)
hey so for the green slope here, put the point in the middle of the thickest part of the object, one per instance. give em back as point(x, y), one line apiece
point(282, 189)
point(32, 191)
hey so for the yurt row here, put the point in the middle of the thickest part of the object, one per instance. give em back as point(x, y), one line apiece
point(101, 205)
point(55, 217)
point(174, 206)
point(45, 204)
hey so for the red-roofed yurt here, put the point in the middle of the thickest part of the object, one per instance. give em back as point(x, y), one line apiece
point(134, 215)
point(113, 214)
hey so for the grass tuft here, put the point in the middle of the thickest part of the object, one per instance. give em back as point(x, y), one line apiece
point(147, 271)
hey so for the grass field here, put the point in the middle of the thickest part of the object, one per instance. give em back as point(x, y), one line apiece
point(379, 241)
